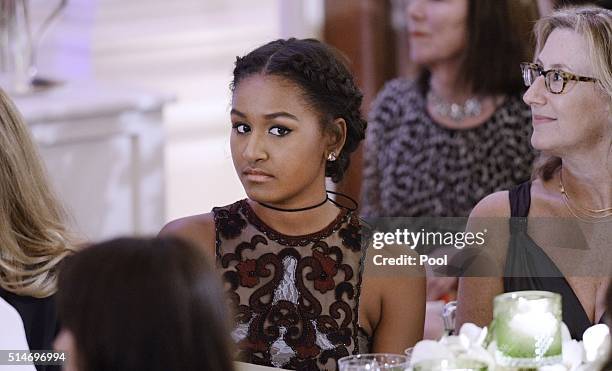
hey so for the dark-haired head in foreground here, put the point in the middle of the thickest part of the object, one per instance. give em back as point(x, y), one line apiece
point(141, 304)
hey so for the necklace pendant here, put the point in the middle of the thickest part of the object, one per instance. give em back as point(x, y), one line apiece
point(452, 110)
point(456, 112)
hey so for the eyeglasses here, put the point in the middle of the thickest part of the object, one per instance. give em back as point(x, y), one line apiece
point(555, 80)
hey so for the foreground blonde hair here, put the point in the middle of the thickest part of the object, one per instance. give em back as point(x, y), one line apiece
point(595, 25)
point(33, 239)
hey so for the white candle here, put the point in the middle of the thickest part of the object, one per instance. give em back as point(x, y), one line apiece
point(527, 328)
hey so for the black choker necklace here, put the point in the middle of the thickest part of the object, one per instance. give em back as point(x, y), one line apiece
point(355, 204)
point(294, 210)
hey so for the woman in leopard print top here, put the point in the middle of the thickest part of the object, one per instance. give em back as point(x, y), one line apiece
point(421, 160)
point(417, 167)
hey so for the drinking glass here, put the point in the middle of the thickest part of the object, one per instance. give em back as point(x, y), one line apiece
point(450, 365)
point(527, 328)
point(373, 362)
point(408, 353)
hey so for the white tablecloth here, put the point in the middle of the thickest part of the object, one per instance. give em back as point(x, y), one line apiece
point(241, 366)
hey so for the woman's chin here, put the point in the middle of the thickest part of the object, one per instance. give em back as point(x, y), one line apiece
point(261, 195)
point(542, 143)
point(420, 59)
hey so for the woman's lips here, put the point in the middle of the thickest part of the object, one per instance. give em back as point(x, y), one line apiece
point(539, 119)
point(417, 34)
point(256, 175)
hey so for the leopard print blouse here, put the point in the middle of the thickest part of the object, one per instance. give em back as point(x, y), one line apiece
point(295, 298)
point(415, 167)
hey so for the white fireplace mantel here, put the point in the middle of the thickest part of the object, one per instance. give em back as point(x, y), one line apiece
point(103, 146)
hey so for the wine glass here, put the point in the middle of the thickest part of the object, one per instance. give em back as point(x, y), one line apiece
point(373, 362)
point(450, 365)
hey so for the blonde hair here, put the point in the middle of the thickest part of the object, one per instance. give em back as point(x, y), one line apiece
point(595, 25)
point(33, 239)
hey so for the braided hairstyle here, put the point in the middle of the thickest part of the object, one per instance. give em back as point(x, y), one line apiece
point(325, 81)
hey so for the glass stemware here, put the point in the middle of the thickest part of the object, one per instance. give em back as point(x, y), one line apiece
point(450, 365)
point(373, 362)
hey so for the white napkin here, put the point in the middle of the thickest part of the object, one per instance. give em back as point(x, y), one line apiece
point(12, 336)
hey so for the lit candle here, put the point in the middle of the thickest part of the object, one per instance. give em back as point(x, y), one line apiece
point(527, 328)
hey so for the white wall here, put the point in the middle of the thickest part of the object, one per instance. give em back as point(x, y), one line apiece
point(187, 48)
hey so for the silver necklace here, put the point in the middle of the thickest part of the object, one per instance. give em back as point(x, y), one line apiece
point(454, 111)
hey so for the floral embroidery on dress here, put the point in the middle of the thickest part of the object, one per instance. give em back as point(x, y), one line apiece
point(351, 235)
point(325, 281)
point(247, 273)
point(230, 224)
point(295, 298)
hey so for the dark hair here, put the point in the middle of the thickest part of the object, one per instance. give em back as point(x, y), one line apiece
point(143, 304)
point(498, 40)
point(601, 3)
point(326, 82)
point(545, 167)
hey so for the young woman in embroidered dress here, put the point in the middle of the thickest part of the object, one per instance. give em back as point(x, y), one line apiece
point(291, 258)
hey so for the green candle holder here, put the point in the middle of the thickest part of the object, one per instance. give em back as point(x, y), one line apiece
point(527, 329)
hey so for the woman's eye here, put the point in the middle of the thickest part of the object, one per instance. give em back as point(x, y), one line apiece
point(241, 128)
point(279, 131)
point(557, 76)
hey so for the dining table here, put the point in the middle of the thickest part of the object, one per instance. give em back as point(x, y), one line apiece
point(242, 366)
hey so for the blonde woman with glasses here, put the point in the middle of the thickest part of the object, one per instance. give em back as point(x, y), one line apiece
point(561, 228)
point(33, 239)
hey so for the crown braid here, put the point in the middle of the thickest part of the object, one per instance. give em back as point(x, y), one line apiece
point(325, 80)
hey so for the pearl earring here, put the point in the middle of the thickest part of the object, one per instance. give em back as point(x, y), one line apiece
point(331, 157)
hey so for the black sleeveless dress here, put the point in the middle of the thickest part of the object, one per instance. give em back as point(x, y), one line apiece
point(39, 320)
point(528, 267)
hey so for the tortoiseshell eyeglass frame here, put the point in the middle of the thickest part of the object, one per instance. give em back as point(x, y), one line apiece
point(566, 76)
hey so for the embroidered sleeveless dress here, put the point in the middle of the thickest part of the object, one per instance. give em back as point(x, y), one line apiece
point(295, 298)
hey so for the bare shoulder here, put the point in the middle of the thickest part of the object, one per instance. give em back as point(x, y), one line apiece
point(494, 205)
point(491, 217)
point(197, 229)
point(482, 282)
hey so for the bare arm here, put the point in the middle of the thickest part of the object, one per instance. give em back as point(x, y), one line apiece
point(476, 300)
point(402, 314)
point(392, 303)
point(475, 293)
